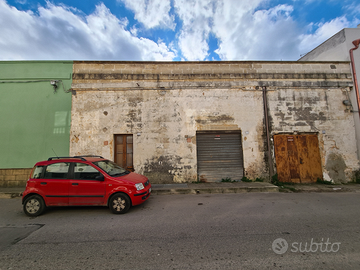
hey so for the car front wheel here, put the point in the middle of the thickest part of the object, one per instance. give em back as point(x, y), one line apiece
point(119, 203)
point(34, 206)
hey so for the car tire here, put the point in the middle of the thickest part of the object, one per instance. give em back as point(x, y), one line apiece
point(119, 203)
point(34, 206)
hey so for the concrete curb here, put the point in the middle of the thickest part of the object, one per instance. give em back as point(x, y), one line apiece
point(10, 195)
point(218, 188)
point(213, 188)
point(184, 188)
point(317, 188)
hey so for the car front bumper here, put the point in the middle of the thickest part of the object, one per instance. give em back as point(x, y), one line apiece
point(142, 196)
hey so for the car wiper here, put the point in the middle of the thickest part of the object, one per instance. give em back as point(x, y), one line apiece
point(120, 174)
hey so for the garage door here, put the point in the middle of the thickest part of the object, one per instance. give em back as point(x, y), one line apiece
point(219, 155)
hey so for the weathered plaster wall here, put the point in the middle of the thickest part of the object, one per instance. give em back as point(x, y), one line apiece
point(164, 124)
point(337, 48)
point(320, 111)
point(164, 104)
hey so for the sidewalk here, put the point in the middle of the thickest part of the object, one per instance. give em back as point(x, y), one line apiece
point(320, 188)
point(216, 187)
point(11, 192)
point(222, 187)
point(186, 188)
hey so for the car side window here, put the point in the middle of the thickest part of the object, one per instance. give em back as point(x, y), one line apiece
point(36, 174)
point(84, 171)
point(57, 171)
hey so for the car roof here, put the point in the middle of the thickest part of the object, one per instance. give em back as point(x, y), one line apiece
point(70, 159)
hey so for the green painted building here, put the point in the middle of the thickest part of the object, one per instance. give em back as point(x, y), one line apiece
point(35, 115)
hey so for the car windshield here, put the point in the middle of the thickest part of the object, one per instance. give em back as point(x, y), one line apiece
point(111, 168)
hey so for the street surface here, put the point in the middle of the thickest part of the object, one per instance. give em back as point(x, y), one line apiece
point(203, 231)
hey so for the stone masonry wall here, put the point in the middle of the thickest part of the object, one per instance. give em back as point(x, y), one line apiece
point(163, 105)
point(14, 177)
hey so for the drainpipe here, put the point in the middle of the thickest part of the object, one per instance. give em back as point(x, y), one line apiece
point(356, 44)
point(271, 172)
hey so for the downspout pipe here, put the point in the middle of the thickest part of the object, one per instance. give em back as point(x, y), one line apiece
point(271, 171)
point(356, 44)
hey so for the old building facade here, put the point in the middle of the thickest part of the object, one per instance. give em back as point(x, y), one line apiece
point(208, 121)
point(343, 46)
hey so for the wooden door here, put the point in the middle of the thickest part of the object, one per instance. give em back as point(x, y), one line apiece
point(124, 151)
point(297, 158)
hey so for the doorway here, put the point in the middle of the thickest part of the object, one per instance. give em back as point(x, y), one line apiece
point(124, 151)
point(298, 158)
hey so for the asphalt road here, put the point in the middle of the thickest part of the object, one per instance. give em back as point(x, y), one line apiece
point(221, 231)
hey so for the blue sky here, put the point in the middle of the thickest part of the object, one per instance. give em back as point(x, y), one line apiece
point(169, 30)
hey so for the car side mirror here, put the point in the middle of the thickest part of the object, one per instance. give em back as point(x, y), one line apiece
point(100, 177)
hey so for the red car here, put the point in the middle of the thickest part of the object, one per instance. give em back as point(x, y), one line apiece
point(83, 180)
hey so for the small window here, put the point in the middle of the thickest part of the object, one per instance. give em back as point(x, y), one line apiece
point(57, 171)
point(36, 174)
point(84, 171)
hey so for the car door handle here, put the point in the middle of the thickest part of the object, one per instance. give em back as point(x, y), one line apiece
point(75, 184)
point(43, 183)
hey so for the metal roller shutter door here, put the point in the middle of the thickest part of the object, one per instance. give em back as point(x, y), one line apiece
point(219, 155)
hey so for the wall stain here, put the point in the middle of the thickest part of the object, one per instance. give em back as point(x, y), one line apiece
point(134, 101)
point(134, 115)
point(162, 169)
point(336, 167)
point(299, 111)
point(214, 119)
point(75, 138)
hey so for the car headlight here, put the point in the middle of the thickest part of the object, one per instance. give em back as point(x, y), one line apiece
point(139, 186)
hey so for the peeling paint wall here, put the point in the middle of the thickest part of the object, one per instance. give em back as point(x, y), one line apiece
point(164, 124)
point(164, 104)
point(322, 112)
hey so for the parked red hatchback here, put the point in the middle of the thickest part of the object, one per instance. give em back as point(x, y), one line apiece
point(83, 180)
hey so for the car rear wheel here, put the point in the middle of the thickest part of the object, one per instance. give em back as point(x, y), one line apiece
point(119, 203)
point(34, 206)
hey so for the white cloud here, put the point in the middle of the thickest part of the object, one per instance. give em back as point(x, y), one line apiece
point(57, 33)
point(322, 33)
point(353, 10)
point(196, 16)
point(152, 13)
point(247, 34)
point(244, 30)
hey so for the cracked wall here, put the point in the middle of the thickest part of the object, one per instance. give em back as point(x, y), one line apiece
point(164, 104)
point(164, 125)
point(320, 111)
